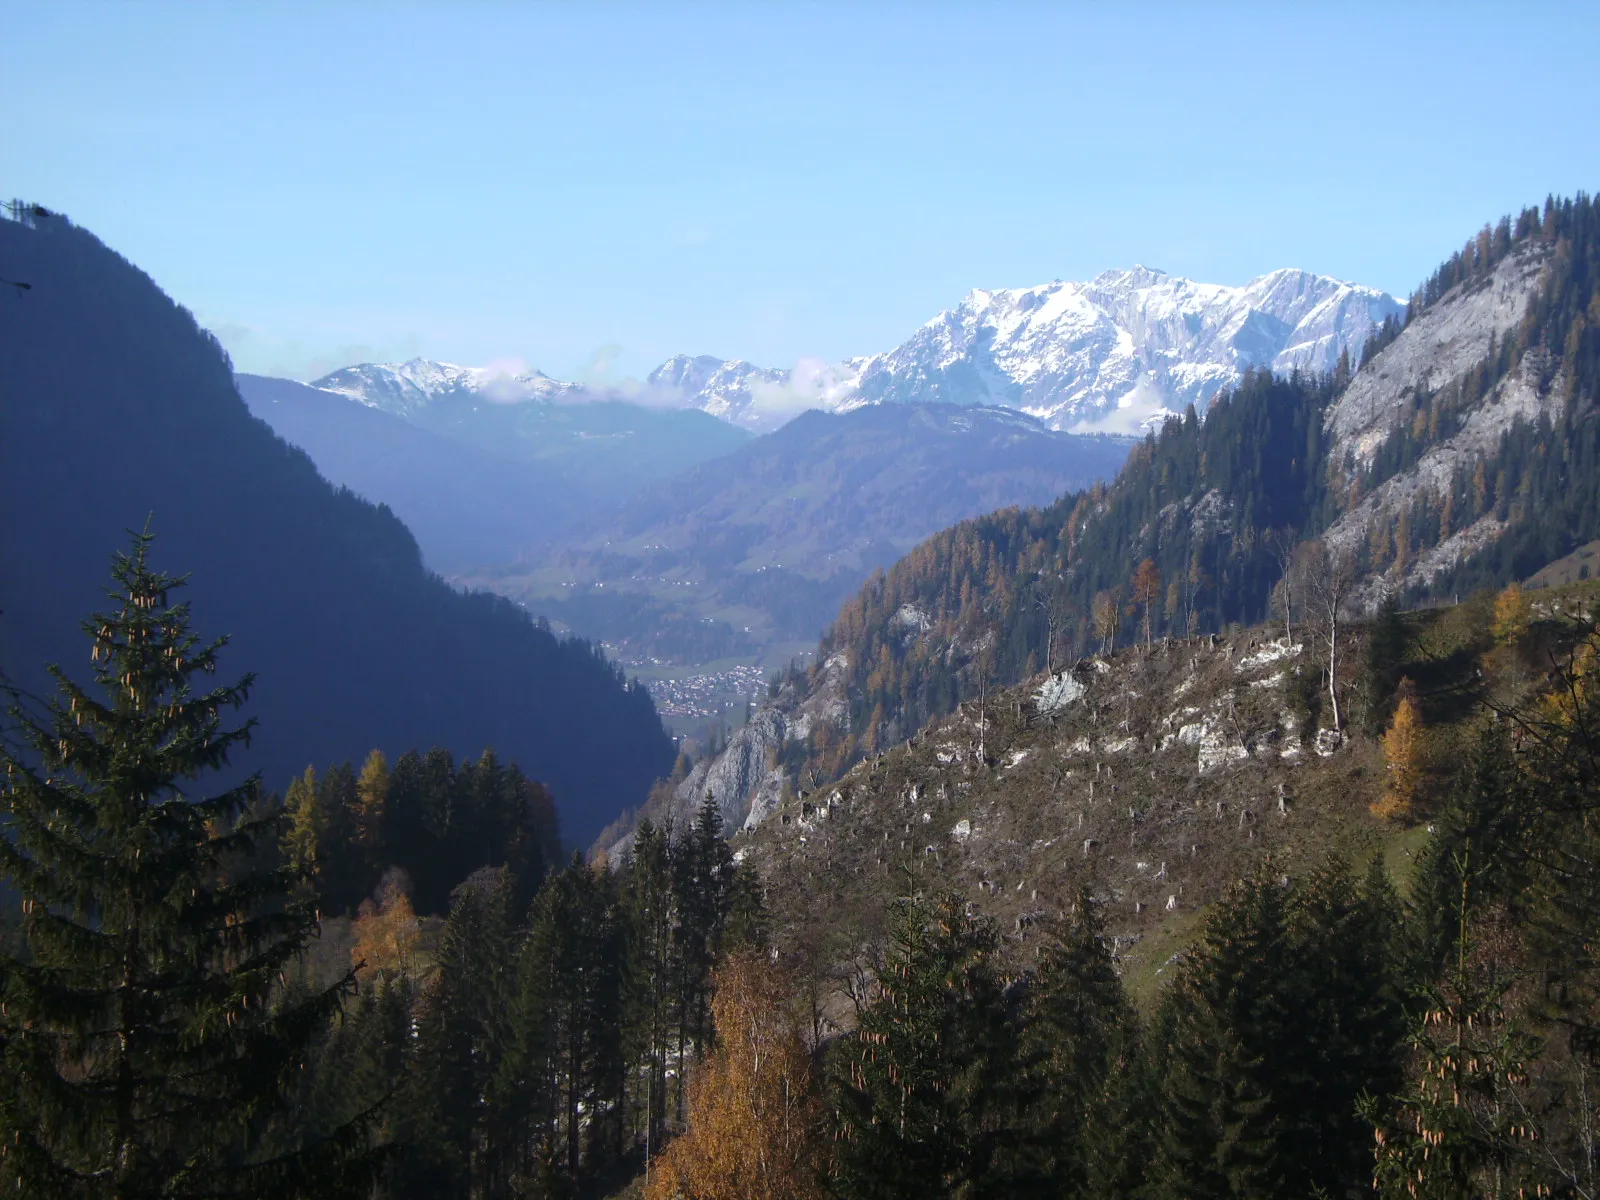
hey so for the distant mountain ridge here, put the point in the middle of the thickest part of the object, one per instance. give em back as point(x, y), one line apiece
point(406, 389)
point(1116, 354)
point(1128, 347)
point(576, 450)
point(465, 506)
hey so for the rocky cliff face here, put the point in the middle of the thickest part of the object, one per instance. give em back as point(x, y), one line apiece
point(744, 780)
point(1440, 346)
point(1437, 350)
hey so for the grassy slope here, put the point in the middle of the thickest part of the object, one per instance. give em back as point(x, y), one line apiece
point(1580, 564)
point(1113, 767)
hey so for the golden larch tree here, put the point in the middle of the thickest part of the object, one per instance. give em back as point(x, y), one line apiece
point(755, 1112)
point(1512, 615)
point(372, 809)
point(1107, 620)
point(1402, 756)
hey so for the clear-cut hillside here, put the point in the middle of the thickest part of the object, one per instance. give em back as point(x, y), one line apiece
point(1153, 777)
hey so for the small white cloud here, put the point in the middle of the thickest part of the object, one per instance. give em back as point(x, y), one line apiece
point(1136, 413)
point(504, 381)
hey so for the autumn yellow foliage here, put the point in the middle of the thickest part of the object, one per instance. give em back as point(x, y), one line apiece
point(754, 1104)
point(1512, 615)
point(387, 932)
point(1402, 755)
point(1574, 693)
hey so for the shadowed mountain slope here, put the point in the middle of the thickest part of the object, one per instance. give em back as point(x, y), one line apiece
point(117, 409)
point(466, 507)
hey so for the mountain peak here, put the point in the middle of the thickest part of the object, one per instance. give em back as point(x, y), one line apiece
point(406, 388)
point(1136, 276)
point(1115, 354)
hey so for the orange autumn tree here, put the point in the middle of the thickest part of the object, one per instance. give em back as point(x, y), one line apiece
point(387, 933)
point(1146, 591)
point(1402, 756)
point(754, 1106)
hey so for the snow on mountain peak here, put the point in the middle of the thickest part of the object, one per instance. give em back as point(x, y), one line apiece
point(1116, 354)
point(1126, 348)
point(406, 388)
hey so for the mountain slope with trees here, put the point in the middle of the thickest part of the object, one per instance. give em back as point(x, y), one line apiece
point(118, 409)
point(467, 507)
point(1293, 937)
point(1201, 527)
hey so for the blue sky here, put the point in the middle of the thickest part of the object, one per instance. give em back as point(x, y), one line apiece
point(590, 188)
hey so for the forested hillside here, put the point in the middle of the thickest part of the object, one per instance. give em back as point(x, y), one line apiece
point(466, 506)
point(1453, 456)
point(119, 410)
point(209, 991)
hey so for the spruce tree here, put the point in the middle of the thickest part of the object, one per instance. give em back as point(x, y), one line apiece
point(928, 1104)
point(1221, 1099)
point(649, 912)
point(1073, 1034)
point(147, 1040)
point(1117, 1142)
point(1463, 1129)
point(570, 1016)
point(457, 1106)
point(1345, 991)
point(702, 870)
point(1386, 652)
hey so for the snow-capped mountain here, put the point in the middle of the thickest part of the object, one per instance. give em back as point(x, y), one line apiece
point(723, 389)
point(759, 398)
point(1115, 353)
point(404, 389)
